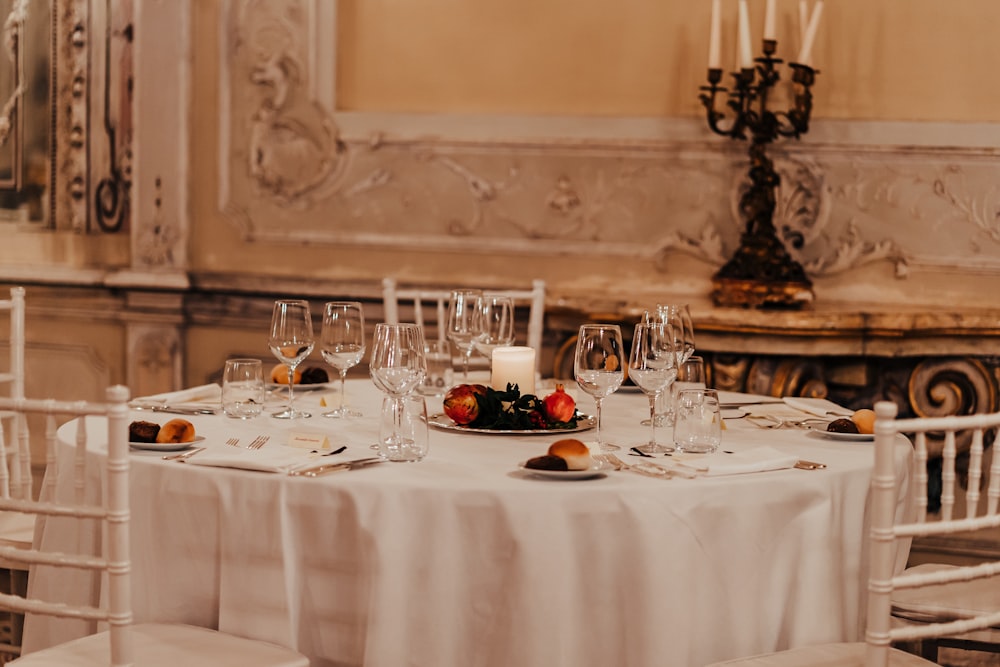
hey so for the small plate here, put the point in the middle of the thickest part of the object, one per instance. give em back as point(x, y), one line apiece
point(166, 446)
point(318, 386)
point(596, 470)
point(441, 420)
point(846, 437)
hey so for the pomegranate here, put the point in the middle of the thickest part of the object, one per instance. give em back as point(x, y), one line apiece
point(461, 403)
point(559, 406)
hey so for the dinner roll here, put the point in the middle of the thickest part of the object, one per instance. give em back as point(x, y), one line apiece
point(547, 462)
point(279, 375)
point(176, 430)
point(142, 431)
point(865, 420)
point(576, 454)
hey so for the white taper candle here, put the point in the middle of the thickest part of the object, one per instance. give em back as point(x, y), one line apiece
point(715, 36)
point(770, 29)
point(746, 56)
point(805, 54)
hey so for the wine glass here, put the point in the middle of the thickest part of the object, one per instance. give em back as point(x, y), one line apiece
point(342, 344)
point(599, 366)
point(493, 323)
point(398, 365)
point(680, 316)
point(291, 341)
point(461, 309)
point(652, 367)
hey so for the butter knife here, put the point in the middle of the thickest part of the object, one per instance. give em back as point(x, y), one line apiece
point(176, 410)
point(315, 471)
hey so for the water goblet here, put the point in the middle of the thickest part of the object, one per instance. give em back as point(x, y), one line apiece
point(652, 367)
point(342, 344)
point(493, 323)
point(461, 312)
point(599, 367)
point(398, 363)
point(291, 341)
point(243, 388)
point(698, 421)
point(403, 429)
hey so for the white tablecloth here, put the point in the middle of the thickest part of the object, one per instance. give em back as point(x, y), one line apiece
point(461, 560)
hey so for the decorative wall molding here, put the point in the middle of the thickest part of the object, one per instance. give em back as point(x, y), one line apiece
point(293, 169)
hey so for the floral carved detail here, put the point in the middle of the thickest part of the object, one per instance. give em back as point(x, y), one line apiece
point(156, 242)
point(295, 155)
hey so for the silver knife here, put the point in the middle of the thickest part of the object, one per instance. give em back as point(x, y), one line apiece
point(175, 410)
point(330, 467)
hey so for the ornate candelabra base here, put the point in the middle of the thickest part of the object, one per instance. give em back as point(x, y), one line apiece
point(761, 274)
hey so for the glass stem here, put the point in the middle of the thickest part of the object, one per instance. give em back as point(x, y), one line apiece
point(465, 363)
point(652, 417)
point(343, 385)
point(291, 377)
point(600, 441)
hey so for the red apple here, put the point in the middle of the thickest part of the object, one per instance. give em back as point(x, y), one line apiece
point(461, 403)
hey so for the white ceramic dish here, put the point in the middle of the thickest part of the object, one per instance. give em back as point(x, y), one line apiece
point(596, 470)
point(441, 420)
point(166, 446)
point(844, 437)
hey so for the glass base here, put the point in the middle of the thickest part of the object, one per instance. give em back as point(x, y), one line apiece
point(343, 413)
point(653, 448)
point(289, 413)
point(607, 447)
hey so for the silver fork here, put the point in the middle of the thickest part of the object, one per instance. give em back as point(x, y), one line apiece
point(642, 468)
point(183, 456)
point(259, 442)
point(233, 442)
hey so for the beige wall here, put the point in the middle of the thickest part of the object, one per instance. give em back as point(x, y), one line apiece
point(887, 59)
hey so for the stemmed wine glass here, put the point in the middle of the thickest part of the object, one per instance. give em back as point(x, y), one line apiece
point(652, 367)
point(398, 365)
point(493, 323)
point(342, 344)
point(291, 341)
point(678, 316)
point(599, 366)
point(461, 312)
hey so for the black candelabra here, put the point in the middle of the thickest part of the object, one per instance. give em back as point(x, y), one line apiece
point(761, 273)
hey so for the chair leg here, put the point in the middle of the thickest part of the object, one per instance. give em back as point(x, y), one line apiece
point(929, 650)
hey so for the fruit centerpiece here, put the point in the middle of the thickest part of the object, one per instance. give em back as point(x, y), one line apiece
point(479, 406)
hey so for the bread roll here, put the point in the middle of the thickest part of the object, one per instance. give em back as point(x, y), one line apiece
point(279, 375)
point(176, 430)
point(865, 420)
point(576, 454)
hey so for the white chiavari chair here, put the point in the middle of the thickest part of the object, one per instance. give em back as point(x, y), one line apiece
point(123, 643)
point(418, 298)
point(884, 586)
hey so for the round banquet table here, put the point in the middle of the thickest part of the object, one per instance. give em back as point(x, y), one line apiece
point(463, 560)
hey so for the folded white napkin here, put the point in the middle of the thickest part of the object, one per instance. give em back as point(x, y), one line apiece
point(758, 459)
point(276, 459)
point(205, 392)
point(817, 406)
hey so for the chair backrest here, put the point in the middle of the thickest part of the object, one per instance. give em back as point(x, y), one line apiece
point(886, 529)
point(112, 512)
point(15, 463)
point(392, 295)
point(534, 298)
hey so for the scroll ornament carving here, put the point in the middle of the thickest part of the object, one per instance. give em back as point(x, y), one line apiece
point(12, 28)
point(942, 387)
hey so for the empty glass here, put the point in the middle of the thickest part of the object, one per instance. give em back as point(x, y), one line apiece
point(342, 344)
point(403, 429)
point(398, 361)
point(599, 366)
point(697, 421)
point(243, 388)
point(652, 367)
point(493, 323)
point(461, 330)
point(439, 369)
point(291, 341)
point(690, 375)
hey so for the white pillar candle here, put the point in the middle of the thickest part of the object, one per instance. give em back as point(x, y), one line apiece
point(746, 55)
point(770, 31)
point(715, 37)
point(513, 365)
point(805, 54)
point(803, 19)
